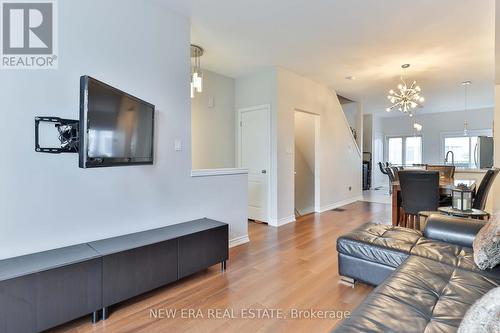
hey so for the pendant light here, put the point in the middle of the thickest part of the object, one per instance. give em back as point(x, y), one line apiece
point(466, 84)
point(196, 73)
point(407, 97)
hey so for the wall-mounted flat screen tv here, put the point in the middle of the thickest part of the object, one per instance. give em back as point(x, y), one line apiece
point(116, 128)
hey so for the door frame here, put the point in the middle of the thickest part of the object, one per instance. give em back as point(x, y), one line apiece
point(267, 108)
point(317, 158)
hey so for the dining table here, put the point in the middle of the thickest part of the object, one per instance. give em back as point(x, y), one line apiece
point(446, 185)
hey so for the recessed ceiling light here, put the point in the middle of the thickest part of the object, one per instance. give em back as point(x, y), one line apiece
point(350, 77)
point(466, 83)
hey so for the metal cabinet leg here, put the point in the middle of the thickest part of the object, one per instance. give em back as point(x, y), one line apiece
point(95, 317)
point(223, 266)
point(105, 313)
point(348, 281)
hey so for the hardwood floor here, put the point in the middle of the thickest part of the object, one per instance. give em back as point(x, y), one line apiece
point(286, 268)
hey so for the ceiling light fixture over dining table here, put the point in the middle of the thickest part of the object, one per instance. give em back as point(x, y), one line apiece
point(407, 97)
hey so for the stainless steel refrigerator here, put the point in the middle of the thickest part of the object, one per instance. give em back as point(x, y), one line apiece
point(483, 152)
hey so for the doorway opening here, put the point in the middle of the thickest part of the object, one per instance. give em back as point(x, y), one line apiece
point(306, 163)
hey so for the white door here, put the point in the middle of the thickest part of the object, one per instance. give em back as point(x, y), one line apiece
point(254, 154)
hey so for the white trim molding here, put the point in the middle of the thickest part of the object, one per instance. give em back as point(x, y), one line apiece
point(239, 241)
point(282, 221)
point(218, 172)
point(340, 203)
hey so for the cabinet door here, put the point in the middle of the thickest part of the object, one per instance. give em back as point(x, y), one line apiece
point(68, 292)
point(133, 272)
point(203, 249)
point(17, 305)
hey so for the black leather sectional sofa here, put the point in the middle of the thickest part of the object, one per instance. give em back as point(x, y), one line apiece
point(426, 282)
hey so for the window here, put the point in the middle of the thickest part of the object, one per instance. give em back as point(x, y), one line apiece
point(413, 154)
point(396, 150)
point(404, 150)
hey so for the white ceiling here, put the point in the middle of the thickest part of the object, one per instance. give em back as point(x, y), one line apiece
point(446, 42)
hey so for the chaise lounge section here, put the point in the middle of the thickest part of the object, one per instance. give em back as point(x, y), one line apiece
point(426, 281)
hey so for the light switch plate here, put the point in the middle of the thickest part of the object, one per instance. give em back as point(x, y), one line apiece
point(211, 101)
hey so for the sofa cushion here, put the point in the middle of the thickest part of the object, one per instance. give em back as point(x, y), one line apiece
point(422, 295)
point(380, 243)
point(447, 253)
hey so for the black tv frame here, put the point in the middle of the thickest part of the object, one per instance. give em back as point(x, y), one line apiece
point(84, 161)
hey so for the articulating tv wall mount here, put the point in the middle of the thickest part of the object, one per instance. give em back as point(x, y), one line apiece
point(68, 135)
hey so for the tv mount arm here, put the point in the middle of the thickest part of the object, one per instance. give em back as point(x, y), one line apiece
point(68, 135)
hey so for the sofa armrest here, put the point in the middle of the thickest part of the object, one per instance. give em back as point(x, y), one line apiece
point(454, 230)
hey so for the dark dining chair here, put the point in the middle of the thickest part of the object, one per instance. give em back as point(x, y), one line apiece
point(395, 172)
point(419, 195)
point(383, 169)
point(484, 188)
point(390, 174)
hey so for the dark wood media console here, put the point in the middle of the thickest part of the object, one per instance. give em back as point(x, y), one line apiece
point(46, 289)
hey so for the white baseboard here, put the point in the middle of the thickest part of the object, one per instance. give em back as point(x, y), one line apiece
point(281, 221)
point(239, 241)
point(340, 203)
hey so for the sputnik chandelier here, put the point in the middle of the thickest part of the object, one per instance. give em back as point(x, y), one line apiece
point(406, 98)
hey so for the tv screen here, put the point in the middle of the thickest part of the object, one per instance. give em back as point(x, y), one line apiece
point(115, 127)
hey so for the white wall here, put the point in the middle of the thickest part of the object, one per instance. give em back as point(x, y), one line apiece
point(46, 201)
point(213, 128)
point(379, 179)
point(354, 114)
point(367, 133)
point(260, 89)
point(368, 141)
point(496, 153)
point(340, 166)
point(434, 124)
point(350, 110)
